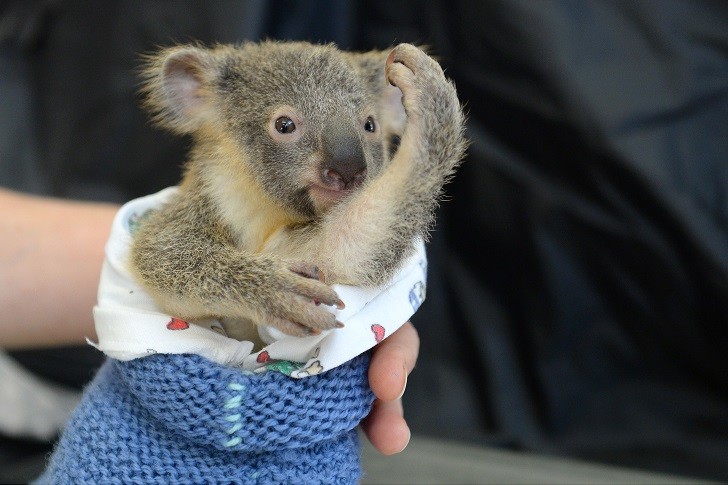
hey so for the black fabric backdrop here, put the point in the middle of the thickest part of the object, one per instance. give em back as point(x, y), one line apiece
point(578, 286)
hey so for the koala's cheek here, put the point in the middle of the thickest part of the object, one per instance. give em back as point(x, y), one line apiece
point(375, 165)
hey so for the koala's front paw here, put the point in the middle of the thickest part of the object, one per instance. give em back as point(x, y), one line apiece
point(433, 136)
point(419, 77)
point(295, 307)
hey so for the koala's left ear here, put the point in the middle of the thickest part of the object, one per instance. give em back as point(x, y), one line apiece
point(392, 117)
point(177, 87)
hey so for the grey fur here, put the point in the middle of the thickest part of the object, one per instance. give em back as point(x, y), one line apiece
point(198, 261)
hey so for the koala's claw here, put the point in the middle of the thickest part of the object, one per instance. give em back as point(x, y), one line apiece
point(317, 293)
point(338, 303)
point(295, 307)
point(314, 287)
point(303, 323)
point(290, 328)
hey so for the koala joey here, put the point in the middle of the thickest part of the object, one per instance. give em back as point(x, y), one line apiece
point(292, 183)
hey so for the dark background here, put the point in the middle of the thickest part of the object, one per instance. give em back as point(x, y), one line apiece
point(578, 285)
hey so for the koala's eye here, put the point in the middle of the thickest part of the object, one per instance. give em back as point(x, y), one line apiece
point(369, 125)
point(285, 125)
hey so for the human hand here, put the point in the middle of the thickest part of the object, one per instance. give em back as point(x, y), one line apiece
point(392, 360)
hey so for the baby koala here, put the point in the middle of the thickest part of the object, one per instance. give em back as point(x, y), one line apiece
point(309, 166)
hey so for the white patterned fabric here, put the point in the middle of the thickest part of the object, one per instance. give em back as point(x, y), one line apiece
point(129, 324)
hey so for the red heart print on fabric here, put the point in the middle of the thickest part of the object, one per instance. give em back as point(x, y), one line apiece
point(378, 332)
point(177, 324)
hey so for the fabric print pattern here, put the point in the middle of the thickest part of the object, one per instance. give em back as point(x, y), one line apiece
point(135, 219)
point(311, 370)
point(379, 332)
point(286, 367)
point(417, 295)
point(177, 324)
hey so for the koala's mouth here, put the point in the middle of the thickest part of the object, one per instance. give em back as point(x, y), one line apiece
point(333, 183)
point(325, 197)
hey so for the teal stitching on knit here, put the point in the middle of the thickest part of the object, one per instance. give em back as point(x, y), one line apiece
point(233, 442)
point(232, 403)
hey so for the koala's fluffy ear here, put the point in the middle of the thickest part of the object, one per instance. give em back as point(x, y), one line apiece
point(392, 117)
point(177, 84)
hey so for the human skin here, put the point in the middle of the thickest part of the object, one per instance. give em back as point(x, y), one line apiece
point(51, 251)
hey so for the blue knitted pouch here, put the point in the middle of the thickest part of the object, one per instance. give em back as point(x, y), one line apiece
point(185, 419)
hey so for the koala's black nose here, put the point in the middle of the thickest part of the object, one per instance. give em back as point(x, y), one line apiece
point(344, 166)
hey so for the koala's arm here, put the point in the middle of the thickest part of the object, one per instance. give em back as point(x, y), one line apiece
point(188, 264)
point(364, 239)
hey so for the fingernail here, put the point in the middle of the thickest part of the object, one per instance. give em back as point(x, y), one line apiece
point(339, 324)
point(409, 437)
point(340, 304)
point(404, 387)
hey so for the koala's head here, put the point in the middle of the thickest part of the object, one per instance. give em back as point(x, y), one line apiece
point(311, 123)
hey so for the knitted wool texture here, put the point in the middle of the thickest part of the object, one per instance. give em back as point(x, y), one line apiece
point(185, 419)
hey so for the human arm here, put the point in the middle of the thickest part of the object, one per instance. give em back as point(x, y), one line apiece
point(51, 252)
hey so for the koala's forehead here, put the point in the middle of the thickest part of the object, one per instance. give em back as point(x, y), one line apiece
point(309, 77)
